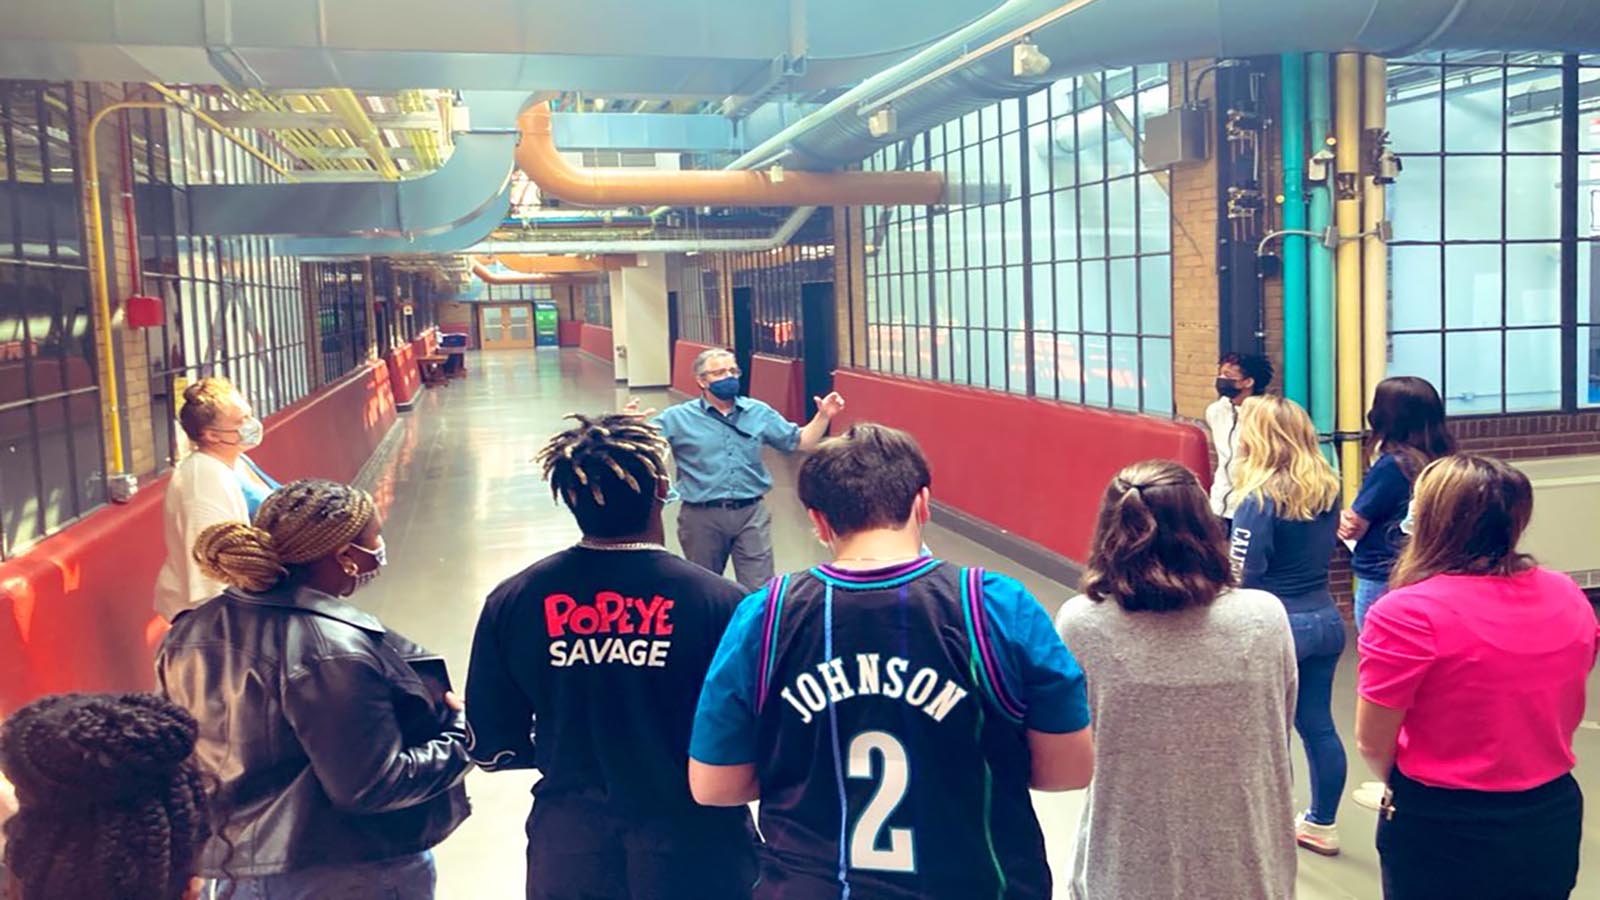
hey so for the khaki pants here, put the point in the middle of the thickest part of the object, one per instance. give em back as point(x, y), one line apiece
point(710, 535)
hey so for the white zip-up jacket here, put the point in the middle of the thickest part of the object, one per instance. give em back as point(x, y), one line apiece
point(1222, 419)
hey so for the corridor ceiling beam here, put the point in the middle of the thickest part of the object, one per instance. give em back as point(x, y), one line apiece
point(284, 121)
point(706, 48)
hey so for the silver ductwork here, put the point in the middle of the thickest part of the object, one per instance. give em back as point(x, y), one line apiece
point(1114, 33)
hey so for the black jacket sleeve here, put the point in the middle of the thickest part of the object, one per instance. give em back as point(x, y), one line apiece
point(499, 714)
point(342, 711)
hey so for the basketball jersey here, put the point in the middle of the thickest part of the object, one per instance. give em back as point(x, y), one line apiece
point(892, 755)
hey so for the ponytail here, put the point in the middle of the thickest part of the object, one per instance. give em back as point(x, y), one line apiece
point(239, 555)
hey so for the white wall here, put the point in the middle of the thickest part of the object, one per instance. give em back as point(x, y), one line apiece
point(644, 293)
point(619, 327)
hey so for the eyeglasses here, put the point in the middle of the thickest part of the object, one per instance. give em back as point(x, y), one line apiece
point(725, 372)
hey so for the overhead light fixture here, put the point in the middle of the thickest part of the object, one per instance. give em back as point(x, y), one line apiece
point(882, 122)
point(1027, 60)
point(776, 174)
point(599, 104)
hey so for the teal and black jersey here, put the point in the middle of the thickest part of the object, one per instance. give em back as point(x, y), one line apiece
point(886, 713)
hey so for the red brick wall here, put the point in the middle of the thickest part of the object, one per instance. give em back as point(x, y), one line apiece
point(1530, 436)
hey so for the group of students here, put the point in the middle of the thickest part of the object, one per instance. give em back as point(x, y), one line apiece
point(890, 711)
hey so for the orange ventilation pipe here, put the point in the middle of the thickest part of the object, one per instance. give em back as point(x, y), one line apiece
point(488, 277)
point(538, 158)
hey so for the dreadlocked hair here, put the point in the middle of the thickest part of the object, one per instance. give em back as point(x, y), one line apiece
point(300, 523)
point(112, 803)
point(606, 469)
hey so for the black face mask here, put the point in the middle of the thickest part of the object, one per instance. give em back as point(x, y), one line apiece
point(1227, 387)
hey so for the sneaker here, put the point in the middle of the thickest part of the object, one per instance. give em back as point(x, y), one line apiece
point(1369, 795)
point(1322, 839)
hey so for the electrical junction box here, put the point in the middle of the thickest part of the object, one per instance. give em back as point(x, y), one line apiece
point(1175, 137)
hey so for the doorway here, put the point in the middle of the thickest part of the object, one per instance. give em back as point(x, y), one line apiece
point(506, 326)
point(744, 334)
point(820, 343)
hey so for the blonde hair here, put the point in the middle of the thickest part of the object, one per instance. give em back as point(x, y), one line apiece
point(298, 524)
point(204, 402)
point(1278, 460)
point(1470, 513)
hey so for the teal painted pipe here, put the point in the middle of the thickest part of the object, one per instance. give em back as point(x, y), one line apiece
point(1296, 347)
point(1319, 325)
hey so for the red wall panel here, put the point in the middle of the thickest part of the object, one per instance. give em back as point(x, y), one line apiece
point(405, 379)
point(75, 611)
point(780, 383)
point(683, 354)
point(1035, 468)
point(595, 340)
point(569, 333)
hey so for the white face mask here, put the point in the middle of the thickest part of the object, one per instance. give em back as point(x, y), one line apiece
point(380, 556)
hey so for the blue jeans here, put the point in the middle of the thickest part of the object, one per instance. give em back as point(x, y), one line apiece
point(404, 878)
point(1367, 593)
point(1318, 642)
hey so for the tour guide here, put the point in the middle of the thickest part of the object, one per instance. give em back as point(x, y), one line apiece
point(717, 442)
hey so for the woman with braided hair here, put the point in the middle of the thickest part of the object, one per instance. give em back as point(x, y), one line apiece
point(340, 768)
point(1192, 683)
point(607, 644)
point(112, 802)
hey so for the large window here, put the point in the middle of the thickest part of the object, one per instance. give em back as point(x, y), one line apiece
point(699, 304)
point(1054, 278)
point(341, 310)
point(232, 305)
point(51, 454)
point(774, 279)
point(1490, 294)
point(597, 302)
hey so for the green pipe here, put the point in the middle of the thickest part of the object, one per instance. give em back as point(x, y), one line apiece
point(1296, 347)
point(1319, 327)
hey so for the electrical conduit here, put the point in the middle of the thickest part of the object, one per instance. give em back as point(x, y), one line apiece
point(1320, 270)
point(1295, 339)
point(1347, 213)
point(1374, 252)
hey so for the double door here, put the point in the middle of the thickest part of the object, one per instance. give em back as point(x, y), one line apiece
point(506, 326)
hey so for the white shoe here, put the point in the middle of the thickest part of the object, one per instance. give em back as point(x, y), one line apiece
point(1369, 795)
point(1322, 839)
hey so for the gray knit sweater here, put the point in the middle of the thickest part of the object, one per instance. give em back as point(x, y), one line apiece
point(1191, 797)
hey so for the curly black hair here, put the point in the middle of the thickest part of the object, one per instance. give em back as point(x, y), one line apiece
point(112, 803)
point(606, 468)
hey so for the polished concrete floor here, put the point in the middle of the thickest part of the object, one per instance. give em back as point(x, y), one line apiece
point(466, 508)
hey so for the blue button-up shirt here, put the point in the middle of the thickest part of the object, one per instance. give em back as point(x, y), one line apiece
point(719, 457)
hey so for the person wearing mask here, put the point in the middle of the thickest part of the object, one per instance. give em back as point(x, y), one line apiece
point(1471, 687)
point(340, 766)
point(716, 442)
point(1192, 685)
point(1282, 543)
point(1408, 432)
point(112, 803)
point(889, 710)
point(1240, 376)
point(605, 646)
point(216, 483)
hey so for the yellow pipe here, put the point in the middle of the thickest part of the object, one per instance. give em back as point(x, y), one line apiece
point(1347, 216)
point(98, 280)
point(344, 102)
point(178, 101)
point(1374, 253)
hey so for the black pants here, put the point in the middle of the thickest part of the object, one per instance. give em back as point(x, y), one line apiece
point(1443, 844)
point(579, 852)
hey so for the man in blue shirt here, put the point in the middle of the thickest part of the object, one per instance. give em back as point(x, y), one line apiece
point(717, 442)
point(890, 710)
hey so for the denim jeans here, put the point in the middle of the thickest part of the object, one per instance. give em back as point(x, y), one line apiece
point(1318, 642)
point(1367, 593)
point(404, 878)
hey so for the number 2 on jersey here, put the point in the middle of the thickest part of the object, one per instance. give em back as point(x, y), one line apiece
point(865, 852)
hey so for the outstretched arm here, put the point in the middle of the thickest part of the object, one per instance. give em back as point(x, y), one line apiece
point(817, 429)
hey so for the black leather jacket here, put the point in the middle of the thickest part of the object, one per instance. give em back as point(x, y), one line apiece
point(329, 748)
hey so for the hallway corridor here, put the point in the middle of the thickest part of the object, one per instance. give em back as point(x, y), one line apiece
point(465, 508)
